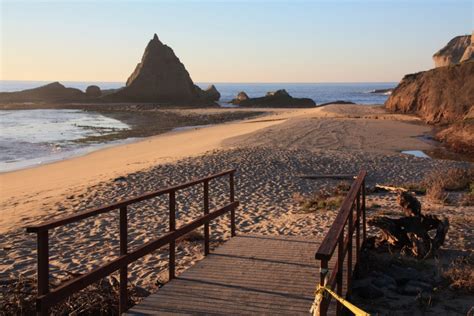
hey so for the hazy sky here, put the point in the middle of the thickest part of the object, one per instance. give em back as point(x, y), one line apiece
point(229, 41)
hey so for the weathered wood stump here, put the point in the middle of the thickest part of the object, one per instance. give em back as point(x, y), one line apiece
point(415, 234)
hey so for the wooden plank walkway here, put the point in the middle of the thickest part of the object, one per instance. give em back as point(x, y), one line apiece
point(249, 274)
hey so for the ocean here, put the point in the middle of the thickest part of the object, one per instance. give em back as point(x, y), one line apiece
point(32, 137)
point(320, 92)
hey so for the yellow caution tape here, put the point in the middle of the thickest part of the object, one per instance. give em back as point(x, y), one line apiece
point(319, 297)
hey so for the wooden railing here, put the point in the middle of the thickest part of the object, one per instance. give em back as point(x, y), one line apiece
point(350, 215)
point(47, 297)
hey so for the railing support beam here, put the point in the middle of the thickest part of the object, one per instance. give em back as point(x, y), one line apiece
point(172, 244)
point(206, 211)
point(232, 199)
point(123, 297)
point(43, 269)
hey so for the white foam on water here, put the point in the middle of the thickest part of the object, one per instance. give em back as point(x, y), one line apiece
point(32, 137)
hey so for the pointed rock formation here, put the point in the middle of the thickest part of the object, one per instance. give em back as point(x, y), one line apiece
point(210, 94)
point(458, 50)
point(161, 77)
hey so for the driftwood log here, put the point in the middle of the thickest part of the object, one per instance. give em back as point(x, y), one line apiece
point(414, 234)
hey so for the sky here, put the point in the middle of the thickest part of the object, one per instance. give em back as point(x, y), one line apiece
point(229, 41)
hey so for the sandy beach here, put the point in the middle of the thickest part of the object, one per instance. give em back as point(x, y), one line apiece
point(269, 154)
point(335, 127)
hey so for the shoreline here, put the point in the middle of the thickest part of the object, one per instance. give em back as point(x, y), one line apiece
point(23, 201)
point(142, 124)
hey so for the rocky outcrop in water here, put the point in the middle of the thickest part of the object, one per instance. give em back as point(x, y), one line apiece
point(336, 102)
point(161, 77)
point(458, 50)
point(53, 92)
point(210, 94)
point(279, 98)
point(241, 96)
point(440, 95)
point(93, 91)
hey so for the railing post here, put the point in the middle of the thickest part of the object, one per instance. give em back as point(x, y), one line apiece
point(123, 297)
point(206, 211)
point(349, 250)
point(43, 269)
point(364, 224)
point(172, 244)
point(232, 198)
point(323, 279)
point(358, 229)
point(340, 265)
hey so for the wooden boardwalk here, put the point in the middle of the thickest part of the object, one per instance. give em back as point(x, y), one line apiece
point(271, 275)
point(249, 274)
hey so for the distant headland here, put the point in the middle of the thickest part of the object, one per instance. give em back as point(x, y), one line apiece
point(159, 77)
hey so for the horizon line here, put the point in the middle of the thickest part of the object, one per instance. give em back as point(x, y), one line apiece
point(206, 82)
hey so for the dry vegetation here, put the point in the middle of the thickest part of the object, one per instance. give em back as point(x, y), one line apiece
point(439, 185)
point(460, 274)
point(323, 199)
point(18, 296)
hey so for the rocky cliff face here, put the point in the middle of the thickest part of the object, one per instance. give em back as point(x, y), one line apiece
point(53, 92)
point(440, 95)
point(458, 50)
point(161, 77)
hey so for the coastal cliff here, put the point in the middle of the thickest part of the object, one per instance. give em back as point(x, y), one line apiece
point(458, 50)
point(443, 96)
point(440, 95)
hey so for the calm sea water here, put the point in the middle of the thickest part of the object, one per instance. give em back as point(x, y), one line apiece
point(31, 137)
point(319, 92)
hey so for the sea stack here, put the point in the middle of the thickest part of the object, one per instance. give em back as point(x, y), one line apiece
point(161, 77)
point(277, 99)
point(458, 50)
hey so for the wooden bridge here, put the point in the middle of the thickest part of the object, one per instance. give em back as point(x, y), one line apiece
point(249, 274)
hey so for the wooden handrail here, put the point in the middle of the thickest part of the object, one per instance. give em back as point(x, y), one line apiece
point(104, 209)
point(355, 199)
point(329, 243)
point(47, 298)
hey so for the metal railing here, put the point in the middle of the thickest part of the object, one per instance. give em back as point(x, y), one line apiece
point(350, 215)
point(47, 297)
